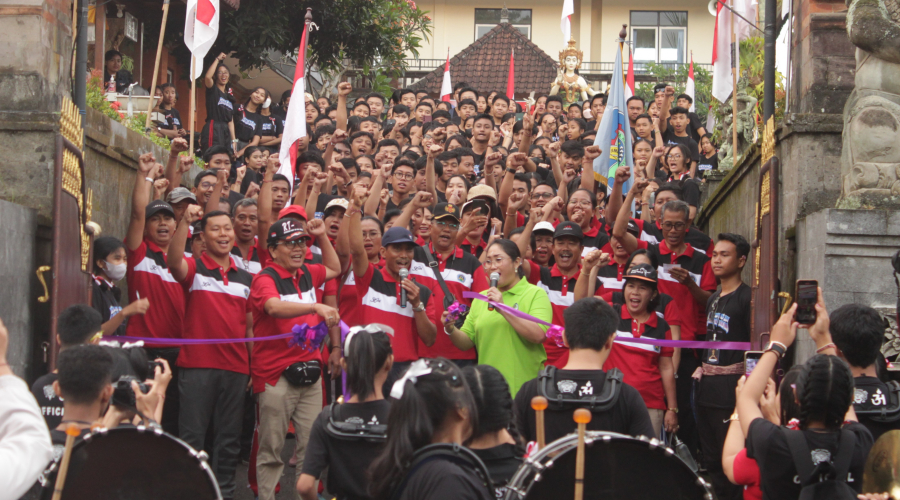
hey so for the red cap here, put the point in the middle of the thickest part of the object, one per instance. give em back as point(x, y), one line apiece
point(293, 210)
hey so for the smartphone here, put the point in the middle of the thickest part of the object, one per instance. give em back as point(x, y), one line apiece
point(807, 295)
point(652, 199)
point(426, 119)
point(750, 360)
point(476, 204)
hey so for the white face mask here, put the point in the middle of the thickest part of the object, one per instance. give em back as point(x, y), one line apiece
point(115, 272)
point(267, 103)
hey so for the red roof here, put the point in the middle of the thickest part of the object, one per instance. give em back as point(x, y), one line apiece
point(484, 64)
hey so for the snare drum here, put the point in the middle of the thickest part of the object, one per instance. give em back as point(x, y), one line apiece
point(135, 463)
point(616, 467)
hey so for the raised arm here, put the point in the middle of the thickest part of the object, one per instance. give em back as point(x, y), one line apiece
point(344, 90)
point(210, 78)
point(591, 153)
point(516, 203)
point(513, 161)
point(614, 200)
point(380, 177)
point(592, 260)
point(422, 199)
point(316, 228)
point(140, 197)
point(264, 201)
point(357, 245)
point(524, 240)
point(620, 229)
point(213, 203)
point(175, 258)
point(553, 154)
point(173, 168)
point(430, 174)
point(318, 184)
point(489, 161)
point(667, 105)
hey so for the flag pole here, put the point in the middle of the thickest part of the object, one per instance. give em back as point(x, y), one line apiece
point(193, 103)
point(735, 65)
point(622, 34)
point(159, 45)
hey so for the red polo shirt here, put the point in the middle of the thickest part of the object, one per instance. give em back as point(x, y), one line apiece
point(270, 358)
point(476, 250)
point(217, 307)
point(561, 292)
point(380, 303)
point(693, 318)
point(348, 296)
point(149, 278)
point(640, 362)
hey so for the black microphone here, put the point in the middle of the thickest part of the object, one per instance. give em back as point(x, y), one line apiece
point(495, 277)
point(404, 273)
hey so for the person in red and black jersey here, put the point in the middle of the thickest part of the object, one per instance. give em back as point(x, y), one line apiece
point(348, 296)
point(474, 222)
point(580, 209)
point(245, 218)
point(287, 378)
point(461, 272)
point(647, 368)
point(649, 223)
point(685, 275)
point(381, 295)
point(213, 376)
point(558, 279)
point(150, 231)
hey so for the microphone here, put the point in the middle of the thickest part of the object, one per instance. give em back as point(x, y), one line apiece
point(404, 273)
point(495, 277)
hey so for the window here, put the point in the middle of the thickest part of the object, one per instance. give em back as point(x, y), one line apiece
point(486, 19)
point(659, 37)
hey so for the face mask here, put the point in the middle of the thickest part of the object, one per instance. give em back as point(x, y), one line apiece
point(115, 272)
point(267, 103)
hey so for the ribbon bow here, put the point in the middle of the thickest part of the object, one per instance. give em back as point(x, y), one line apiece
point(456, 311)
point(555, 333)
point(307, 337)
point(417, 369)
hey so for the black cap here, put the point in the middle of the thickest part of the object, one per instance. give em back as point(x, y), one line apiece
point(397, 235)
point(286, 230)
point(157, 206)
point(643, 272)
point(659, 87)
point(442, 210)
point(195, 229)
point(568, 228)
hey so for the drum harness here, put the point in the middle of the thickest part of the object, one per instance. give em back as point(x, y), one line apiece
point(596, 404)
point(888, 413)
point(450, 452)
point(374, 433)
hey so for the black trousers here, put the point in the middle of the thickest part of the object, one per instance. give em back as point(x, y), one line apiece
point(214, 397)
point(684, 387)
point(171, 407)
point(713, 429)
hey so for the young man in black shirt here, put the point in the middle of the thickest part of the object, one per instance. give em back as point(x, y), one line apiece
point(858, 333)
point(677, 133)
point(695, 126)
point(76, 326)
point(727, 320)
point(590, 327)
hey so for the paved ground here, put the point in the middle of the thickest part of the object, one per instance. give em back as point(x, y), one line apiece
point(243, 492)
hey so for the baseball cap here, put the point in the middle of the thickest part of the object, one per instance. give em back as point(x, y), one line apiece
point(397, 235)
point(157, 206)
point(632, 229)
point(543, 226)
point(659, 87)
point(481, 190)
point(195, 229)
point(180, 194)
point(568, 228)
point(643, 272)
point(293, 210)
point(337, 202)
point(442, 210)
point(286, 230)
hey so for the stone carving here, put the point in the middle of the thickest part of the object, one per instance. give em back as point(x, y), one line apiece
point(574, 87)
point(870, 160)
point(746, 124)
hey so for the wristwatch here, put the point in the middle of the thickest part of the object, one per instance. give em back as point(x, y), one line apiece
point(777, 347)
point(419, 308)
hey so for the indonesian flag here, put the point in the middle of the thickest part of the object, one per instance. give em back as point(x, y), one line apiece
point(446, 87)
point(689, 88)
point(295, 121)
point(511, 80)
point(722, 84)
point(629, 80)
point(201, 27)
point(565, 24)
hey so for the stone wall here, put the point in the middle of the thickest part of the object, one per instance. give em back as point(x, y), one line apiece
point(18, 225)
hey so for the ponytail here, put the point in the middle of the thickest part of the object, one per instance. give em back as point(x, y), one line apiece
point(494, 403)
point(827, 392)
point(366, 354)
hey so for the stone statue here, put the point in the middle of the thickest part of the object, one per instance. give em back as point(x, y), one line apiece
point(746, 123)
point(870, 160)
point(574, 87)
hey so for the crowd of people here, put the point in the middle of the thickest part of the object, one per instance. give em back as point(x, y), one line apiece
point(398, 212)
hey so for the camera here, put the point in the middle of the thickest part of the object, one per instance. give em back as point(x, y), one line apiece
point(151, 365)
point(123, 393)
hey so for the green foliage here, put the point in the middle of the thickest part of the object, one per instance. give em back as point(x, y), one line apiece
point(379, 80)
point(678, 77)
point(127, 63)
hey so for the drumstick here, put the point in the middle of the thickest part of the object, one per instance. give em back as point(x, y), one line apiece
point(582, 417)
point(72, 432)
point(539, 404)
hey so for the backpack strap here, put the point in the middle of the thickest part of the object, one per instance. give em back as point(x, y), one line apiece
point(595, 403)
point(889, 413)
point(800, 453)
point(846, 447)
point(455, 453)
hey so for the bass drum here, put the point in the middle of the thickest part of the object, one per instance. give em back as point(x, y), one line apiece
point(135, 463)
point(616, 467)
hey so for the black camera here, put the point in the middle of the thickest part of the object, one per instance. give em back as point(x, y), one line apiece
point(151, 365)
point(123, 393)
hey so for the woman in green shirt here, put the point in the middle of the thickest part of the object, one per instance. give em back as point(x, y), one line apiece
point(512, 345)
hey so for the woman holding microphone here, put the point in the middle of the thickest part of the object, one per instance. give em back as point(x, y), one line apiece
point(507, 342)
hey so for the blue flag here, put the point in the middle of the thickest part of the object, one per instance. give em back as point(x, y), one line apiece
point(614, 133)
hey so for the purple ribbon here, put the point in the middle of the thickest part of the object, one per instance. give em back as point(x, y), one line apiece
point(304, 336)
point(555, 331)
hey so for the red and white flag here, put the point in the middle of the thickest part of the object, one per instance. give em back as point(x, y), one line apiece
point(629, 80)
point(295, 121)
point(689, 88)
point(511, 80)
point(446, 87)
point(201, 27)
point(722, 83)
point(565, 23)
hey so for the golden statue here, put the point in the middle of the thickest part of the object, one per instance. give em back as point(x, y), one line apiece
point(574, 87)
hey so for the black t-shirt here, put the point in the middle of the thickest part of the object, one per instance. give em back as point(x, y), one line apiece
point(219, 105)
point(441, 479)
point(628, 416)
point(706, 165)
point(345, 459)
point(670, 138)
point(690, 189)
point(693, 128)
point(872, 394)
point(51, 404)
point(105, 299)
point(173, 119)
point(727, 320)
point(767, 444)
point(269, 127)
point(502, 462)
point(250, 176)
point(246, 124)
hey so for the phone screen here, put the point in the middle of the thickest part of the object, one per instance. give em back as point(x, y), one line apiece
point(751, 358)
point(426, 119)
point(807, 295)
